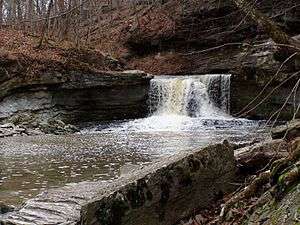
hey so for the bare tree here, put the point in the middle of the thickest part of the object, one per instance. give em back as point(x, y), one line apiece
point(46, 25)
point(1, 11)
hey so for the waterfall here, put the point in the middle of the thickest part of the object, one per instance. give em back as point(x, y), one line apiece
point(193, 96)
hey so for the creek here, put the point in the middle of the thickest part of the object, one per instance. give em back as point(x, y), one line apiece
point(185, 112)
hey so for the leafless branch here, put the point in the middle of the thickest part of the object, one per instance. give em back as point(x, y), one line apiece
point(267, 85)
point(271, 92)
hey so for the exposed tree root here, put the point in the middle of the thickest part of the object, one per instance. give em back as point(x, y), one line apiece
point(248, 192)
point(284, 174)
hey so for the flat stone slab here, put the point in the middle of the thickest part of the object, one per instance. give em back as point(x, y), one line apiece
point(56, 206)
point(160, 193)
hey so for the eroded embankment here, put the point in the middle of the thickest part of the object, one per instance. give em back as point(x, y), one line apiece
point(64, 83)
point(200, 37)
point(74, 97)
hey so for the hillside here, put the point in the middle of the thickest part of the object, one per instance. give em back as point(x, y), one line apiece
point(19, 56)
point(173, 38)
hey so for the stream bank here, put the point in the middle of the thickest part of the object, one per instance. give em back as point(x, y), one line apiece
point(79, 90)
point(75, 97)
point(271, 194)
point(164, 192)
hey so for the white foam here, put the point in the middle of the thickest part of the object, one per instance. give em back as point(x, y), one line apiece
point(194, 96)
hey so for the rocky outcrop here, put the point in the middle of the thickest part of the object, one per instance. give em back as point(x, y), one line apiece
point(160, 193)
point(9, 129)
point(52, 126)
point(272, 195)
point(166, 193)
point(74, 96)
point(259, 69)
point(199, 37)
point(284, 211)
point(280, 204)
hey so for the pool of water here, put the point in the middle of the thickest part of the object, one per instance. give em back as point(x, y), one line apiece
point(30, 165)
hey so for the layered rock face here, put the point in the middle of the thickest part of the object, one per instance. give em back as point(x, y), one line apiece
point(273, 99)
point(74, 97)
point(199, 37)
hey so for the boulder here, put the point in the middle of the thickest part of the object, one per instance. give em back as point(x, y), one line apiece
point(165, 193)
point(9, 129)
point(7, 126)
point(54, 126)
point(288, 131)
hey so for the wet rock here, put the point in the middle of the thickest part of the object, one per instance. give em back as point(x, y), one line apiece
point(10, 129)
point(279, 131)
point(56, 206)
point(240, 145)
point(161, 193)
point(23, 119)
point(71, 128)
point(288, 131)
point(166, 194)
point(7, 130)
point(7, 126)
point(5, 208)
point(58, 127)
point(74, 97)
point(33, 132)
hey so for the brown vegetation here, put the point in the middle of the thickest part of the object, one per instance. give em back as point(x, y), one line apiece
point(20, 56)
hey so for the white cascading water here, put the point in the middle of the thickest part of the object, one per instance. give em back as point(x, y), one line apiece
point(182, 103)
point(205, 96)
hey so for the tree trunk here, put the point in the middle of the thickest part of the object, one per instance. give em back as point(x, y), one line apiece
point(9, 11)
point(14, 11)
point(61, 5)
point(19, 11)
point(29, 14)
point(43, 7)
point(45, 29)
point(1, 12)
